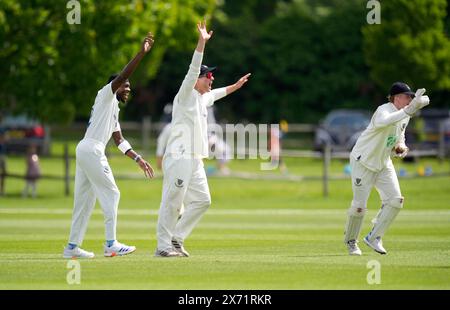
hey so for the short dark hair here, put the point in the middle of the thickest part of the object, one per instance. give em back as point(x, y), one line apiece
point(112, 77)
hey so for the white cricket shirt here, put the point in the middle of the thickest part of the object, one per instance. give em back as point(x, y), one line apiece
point(386, 129)
point(104, 118)
point(189, 132)
point(161, 142)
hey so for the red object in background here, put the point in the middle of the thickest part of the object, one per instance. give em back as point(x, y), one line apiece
point(35, 132)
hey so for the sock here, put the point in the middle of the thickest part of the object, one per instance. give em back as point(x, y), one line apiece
point(109, 243)
point(71, 246)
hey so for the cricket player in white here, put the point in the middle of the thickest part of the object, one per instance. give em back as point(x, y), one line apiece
point(184, 176)
point(93, 177)
point(217, 147)
point(371, 165)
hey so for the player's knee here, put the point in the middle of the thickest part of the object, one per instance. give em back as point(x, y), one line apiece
point(207, 202)
point(357, 208)
point(396, 202)
point(115, 194)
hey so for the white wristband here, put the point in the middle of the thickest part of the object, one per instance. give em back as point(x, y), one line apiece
point(124, 147)
point(136, 159)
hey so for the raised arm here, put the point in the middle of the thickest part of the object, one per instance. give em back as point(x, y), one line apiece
point(194, 69)
point(132, 65)
point(383, 119)
point(203, 36)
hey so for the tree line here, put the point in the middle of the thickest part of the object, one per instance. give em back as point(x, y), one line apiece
point(306, 57)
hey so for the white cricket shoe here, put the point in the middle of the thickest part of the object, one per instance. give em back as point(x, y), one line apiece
point(178, 246)
point(77, 253)
point(353, 248)
point(376, 244)
point(118, 249)
point(169, 252)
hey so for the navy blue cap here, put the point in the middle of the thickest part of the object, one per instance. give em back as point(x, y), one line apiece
point(205, 69)
point(400, 88)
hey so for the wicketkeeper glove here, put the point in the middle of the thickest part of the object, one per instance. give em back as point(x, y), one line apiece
point(400, 150)
point(417, 103)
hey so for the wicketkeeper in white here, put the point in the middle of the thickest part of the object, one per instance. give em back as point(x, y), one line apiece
point(93, 176)
point(184, 176)
point(371, 165)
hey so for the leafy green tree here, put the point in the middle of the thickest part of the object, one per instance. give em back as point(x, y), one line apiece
point(235, 49)
point(447, 21)
point(306, 59)
point(54, 69)
point(410, 44)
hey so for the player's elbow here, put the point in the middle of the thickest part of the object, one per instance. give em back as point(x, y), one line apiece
point(380, 124)
point(118, 140)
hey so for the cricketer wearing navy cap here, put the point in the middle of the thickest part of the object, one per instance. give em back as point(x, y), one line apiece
point(204, 70)
point(371, 166)
point(401, 88)
point(185, 182)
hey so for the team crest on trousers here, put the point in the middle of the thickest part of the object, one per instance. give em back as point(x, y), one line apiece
point(179, 183)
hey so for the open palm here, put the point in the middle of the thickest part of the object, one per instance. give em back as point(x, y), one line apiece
point(148, 43)
point(204, 34)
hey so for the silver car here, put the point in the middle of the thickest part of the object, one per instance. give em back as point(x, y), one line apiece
point(341, 128)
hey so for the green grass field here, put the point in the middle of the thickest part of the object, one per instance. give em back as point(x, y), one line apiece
point(258, 234)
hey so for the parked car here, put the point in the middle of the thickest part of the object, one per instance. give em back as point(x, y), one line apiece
point(425, 130)
point(21, 132)
point(432, 119)
point(341, 128)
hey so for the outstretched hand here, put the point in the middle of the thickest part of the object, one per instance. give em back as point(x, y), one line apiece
point(202, 32)
point(148, 43)
point(243, 80)
point(234, 87)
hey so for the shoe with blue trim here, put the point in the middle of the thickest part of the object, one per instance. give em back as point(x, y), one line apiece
point(118, 249)
point(376, 244)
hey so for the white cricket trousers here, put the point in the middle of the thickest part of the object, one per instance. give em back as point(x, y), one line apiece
point(93, 180)
point(184, 183)
point(363, 180)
